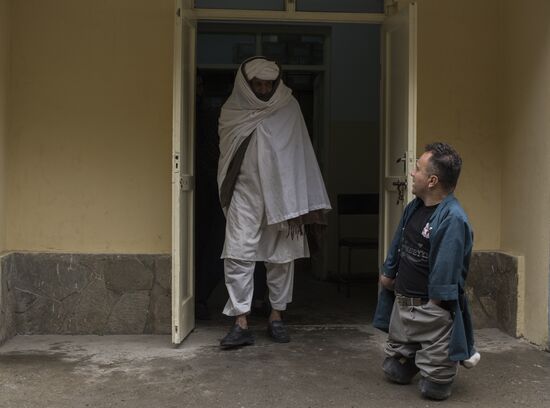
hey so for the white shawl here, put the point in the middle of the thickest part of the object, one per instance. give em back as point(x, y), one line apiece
point(291, 181)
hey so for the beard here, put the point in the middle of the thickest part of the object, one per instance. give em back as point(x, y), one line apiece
point(267, 96)
point(264, 97)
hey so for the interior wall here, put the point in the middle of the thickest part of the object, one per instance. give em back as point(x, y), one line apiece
point(4, 87)
point(91, 126)
point(354, 131)
point(354, 108)
point(524, 130)
point(457, 102)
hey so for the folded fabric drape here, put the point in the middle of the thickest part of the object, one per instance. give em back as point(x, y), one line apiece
point(291, 181)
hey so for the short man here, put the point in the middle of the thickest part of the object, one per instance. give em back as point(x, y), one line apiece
point(430, 327)
point(270, 190)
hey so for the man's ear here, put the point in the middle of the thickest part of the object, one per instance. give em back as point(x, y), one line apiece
point(433, 180)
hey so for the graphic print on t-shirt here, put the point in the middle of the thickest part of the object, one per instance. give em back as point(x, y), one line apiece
point(426, 231)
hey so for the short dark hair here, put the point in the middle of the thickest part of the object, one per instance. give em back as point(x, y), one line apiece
point(446, 164)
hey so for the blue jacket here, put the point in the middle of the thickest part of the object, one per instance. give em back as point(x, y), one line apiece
point(451, 242)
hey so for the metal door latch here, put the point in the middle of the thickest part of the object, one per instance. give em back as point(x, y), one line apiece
point(401, 187)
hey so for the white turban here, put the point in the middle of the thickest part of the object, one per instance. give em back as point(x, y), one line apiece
point(262, 69)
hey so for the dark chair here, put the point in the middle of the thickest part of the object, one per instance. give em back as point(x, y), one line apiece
point(365, 204)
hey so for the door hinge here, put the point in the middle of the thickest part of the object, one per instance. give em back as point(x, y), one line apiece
point(186, 182)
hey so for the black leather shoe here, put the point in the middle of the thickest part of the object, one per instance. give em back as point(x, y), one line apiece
point(277, 331)
point(400, 370)
point(434, 391)
point(237, 337)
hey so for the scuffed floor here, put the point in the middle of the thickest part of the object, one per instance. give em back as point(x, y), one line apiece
point(324, 366)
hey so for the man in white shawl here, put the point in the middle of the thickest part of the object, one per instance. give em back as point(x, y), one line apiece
point(271, 191)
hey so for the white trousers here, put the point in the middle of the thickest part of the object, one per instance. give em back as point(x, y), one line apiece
point(239, 280)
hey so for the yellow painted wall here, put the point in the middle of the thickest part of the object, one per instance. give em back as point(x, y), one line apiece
point(91, 126)
point(457, 95)
point(4, 87)
point(524, 130)
point(91, 120)
point(89, 140)
point(483, 75)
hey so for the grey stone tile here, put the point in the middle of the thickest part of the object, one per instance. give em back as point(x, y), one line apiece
point(54, 276)
point(128, 273)
point(160, 312)
point(86, 294)
point(129, 314)
point(92, 311)
point(492, 290)
point(163, 271)
point(7, 301)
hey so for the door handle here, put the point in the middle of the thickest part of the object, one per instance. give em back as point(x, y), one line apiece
point(403, 159)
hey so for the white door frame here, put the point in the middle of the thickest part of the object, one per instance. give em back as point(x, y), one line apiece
point(182, 210)
point(405, 17)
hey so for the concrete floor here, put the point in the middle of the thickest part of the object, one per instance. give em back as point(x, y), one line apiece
point(333, 360)
point(324, 366)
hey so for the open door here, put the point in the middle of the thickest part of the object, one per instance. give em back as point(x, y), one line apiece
point(183, 302)
point(398, 144)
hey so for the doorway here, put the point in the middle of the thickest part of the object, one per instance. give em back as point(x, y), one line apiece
point(338, 93)
point(397, 123)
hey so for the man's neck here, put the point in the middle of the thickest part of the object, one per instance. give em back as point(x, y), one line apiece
point(434, 198)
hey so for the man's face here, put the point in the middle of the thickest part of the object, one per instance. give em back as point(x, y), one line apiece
point(422, 176)
point(261, 88)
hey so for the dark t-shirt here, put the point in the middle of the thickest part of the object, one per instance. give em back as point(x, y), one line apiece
point(413, 269)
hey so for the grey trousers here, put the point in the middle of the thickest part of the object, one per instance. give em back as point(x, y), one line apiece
point(239, 280)
point(423, 333)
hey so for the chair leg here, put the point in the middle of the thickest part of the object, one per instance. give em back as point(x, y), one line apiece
point(348, 291)
point(339, 269)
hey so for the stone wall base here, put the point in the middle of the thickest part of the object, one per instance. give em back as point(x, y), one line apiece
point(7, 301)
point(131, 294)
point(492, 289)
point(86, 294)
